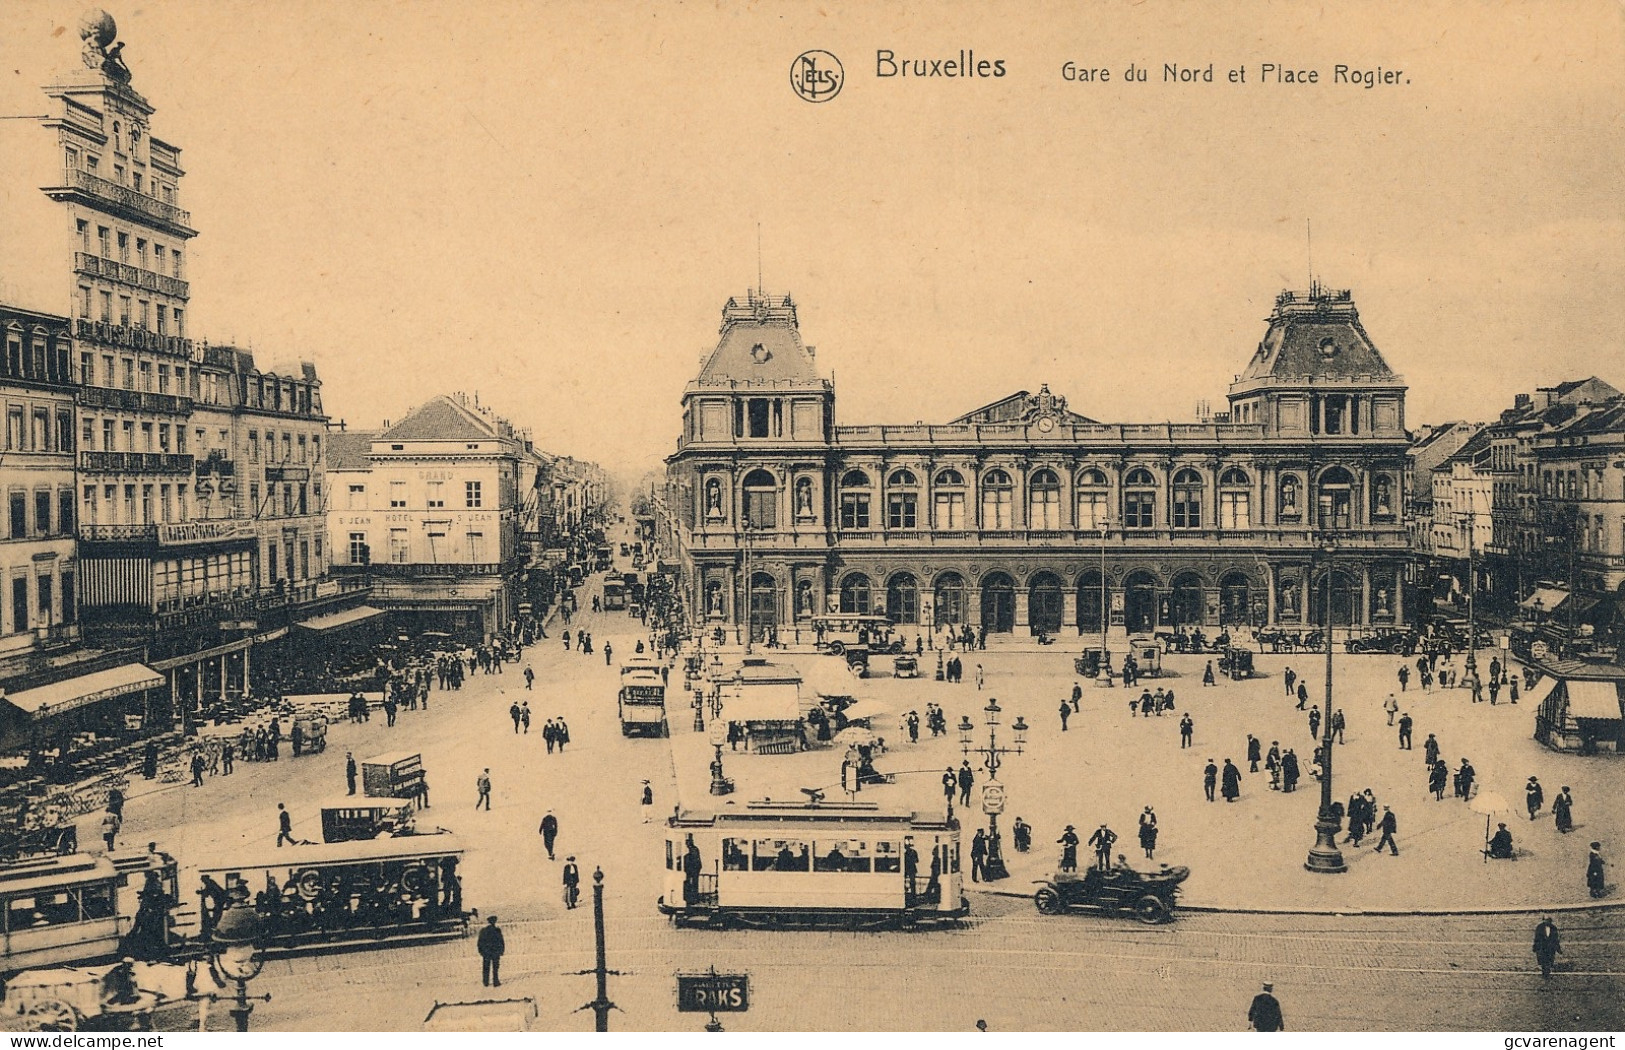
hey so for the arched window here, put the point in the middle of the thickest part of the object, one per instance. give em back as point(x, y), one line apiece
point(949, 500)
point(761, 500)
point(903, 598)
point(1187, 500)
point(997, 494)
point(949, 593)
point(855, 499)
point(1044, 501)
point(1139, 500)
point(1235, 500)
point(902, 502)
point(1334, 498)
point(1092, 497)
point(855, 594)
point(1291, 499)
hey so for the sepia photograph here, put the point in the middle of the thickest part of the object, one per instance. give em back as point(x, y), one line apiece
point(795, 517)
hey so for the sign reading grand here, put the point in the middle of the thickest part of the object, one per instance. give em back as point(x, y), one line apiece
point(715, 993)
point(185, 532)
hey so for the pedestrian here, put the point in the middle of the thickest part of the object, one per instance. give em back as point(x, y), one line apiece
point(1255, 752)
point(562, 734)
point(1066, 712)
point(966, 780)
point(1356, 818)
point(530, 676)
point(491, 946)
point(549, 830)
point(550, 734)
point(524, 716)
point(567, 639)
point(1069, 849)
point(1547, 945)
point(513, 713)
point(110, 828)
point(912, 723)
point(349, 771)
point(284, 824)
point(980, 678)
point(572, 882)
point(609, 651)
point(978, 856)
point(1272, 762)
point(1314, 721)
point(1388, 825)
point(648, 801)
point(1210, 779)
point(1430, 750)
point(1207, 674)
point(1231, 789)
point(1102, 840)
point(1022, 833)
point(228, 756)
point(1265, 1013)
point(1404, 676)
point(1563, 810)
point(1187, 728)
point(1596, 872)
point(1303, 695)
point(1289, 770)
point(1338, 724)
point(1438, 776)
point(198, 766)
point(1464, 780)
point(482, 784)
point(1534, 797)
point(1289, 676)
point(1405, 724)
point(1148, 833)
point(1077, 697)
point(949, 783)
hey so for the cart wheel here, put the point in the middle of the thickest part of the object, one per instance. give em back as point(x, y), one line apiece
point(1048, 902)
point(1151, 910)
point(51, 1015)
point(309, 882)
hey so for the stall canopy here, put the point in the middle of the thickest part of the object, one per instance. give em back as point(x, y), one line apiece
point(53, 699)
point(1548, 597)
point(1542, 690)
point(776, 702)
point(333, 621)
point(1594, 700)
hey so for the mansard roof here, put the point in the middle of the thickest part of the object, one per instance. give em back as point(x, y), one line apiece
point(760, 343)
point(1023, 407)
point(1317, 335)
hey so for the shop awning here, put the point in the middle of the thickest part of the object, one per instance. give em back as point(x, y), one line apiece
point(1594, 700)
point(53, 699)
point(1542, 690)
point(333, 621)
point(762, 703)
point(1548, 597)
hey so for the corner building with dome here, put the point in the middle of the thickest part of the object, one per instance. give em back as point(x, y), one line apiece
point(1024, 516)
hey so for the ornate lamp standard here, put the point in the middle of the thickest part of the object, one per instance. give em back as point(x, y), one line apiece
point(237, 957)
point(1469, 522)
point(1104, 675)
point(720, 785)
point(993, 791)
point(1324, 856)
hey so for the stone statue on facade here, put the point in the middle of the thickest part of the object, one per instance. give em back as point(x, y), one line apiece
point(98, 31)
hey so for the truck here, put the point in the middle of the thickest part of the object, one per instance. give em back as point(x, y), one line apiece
point(642, 700)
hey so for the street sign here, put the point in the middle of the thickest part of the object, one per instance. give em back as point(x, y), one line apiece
point(992, 798)
point(713, 993)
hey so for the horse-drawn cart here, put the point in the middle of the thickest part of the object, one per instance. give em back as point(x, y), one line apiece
point(68, 998)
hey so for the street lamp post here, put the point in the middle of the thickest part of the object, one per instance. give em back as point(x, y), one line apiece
point(993, 791)
point(237, 958)
point(1470, 680)
point(1105, 672)
point(1324, 856)
point(720, 784)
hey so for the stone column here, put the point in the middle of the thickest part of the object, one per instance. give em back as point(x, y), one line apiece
point(223, 676)
point(246, 688)
point(1305, 607)
point(1269, 597)
point(1365, 595)
point(1399, 598)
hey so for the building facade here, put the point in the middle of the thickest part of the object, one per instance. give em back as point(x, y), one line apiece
point(38, 563)
point(430, 513)
point(1026, 516)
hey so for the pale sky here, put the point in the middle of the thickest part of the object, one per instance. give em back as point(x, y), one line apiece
point(548, 203)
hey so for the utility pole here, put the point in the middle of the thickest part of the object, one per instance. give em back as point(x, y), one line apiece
point(601, 1006)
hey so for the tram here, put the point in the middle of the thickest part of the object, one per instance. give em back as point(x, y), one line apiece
point(353, 891)
point(776, 865)
point(79, 908)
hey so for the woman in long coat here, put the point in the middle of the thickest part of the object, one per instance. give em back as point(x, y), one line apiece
point(1563, 810)
point(1231, 781)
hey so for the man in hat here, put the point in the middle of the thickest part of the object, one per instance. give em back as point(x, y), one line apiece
point(349, 770)
point(648, 801)
point(572, 882)
point(1388, 825)
point(482, 784)
point(491, 946)
point(1210, 779)
point(1547, 945)
point(1501, 843)
point(549, 830)
point(1265, 1013)
point(1102, 840)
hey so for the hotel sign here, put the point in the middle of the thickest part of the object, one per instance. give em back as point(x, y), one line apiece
point(182, 533)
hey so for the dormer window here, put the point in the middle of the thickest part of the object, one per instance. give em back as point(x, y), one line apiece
point(760, 354)
point(1328, 348)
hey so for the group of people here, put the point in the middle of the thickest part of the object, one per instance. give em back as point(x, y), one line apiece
point(954, 671)
point(583, 642)
point(1149, 703)
point(556, 733)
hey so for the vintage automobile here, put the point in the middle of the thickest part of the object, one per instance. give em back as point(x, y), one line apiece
point(1148, 895)
point(1092, 661)
point(1236, 663)
point(857, 661)
point(905, 667)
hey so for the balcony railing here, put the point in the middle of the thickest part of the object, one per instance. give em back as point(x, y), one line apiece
point(125, 198)
point(131, 337)
point(135, 276)
point(134, 401)
point(440, 570)
point(135, 463)
point(1285, 537)
point(118, 533)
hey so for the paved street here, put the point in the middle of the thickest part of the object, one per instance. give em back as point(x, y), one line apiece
point(1027, 971)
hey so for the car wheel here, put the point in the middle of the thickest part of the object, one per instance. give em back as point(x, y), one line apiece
point(837, 648)
point(1048, 902)
point(1151, 910)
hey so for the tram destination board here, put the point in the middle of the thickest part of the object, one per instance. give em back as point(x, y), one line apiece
point(713, 993)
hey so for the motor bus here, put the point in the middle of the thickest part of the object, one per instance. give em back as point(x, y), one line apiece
point(614, 595)
point(787, 865)
point(78, 908)
point(838, 632)
point(602, 559)
point(641, 702)
point(358, 892)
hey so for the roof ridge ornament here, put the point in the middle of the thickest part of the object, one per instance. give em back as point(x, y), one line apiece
point(98, 31)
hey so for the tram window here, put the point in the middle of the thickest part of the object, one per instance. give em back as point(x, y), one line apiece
point(888, 857)
point(734, 855)
point(669, 865)
point(841, 855)
point(781, 855)
point(953, 858)
point(98, 902)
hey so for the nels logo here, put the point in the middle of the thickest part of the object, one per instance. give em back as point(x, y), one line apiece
point(817, 76)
